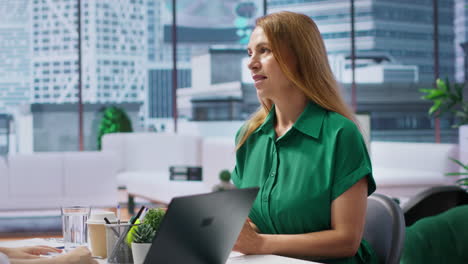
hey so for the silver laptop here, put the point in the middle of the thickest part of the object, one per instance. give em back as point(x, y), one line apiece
point(201, 229)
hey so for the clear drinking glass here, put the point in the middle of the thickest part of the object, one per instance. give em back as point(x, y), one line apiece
point(74, 227)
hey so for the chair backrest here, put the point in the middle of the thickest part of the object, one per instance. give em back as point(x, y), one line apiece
point(433, 201)
point(385, 228)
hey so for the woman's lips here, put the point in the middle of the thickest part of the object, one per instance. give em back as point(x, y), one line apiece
point(258, 78)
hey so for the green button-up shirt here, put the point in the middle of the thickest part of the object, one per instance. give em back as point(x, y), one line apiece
point(302, 172)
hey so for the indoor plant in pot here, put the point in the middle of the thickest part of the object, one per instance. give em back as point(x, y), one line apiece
point(142, 238)
point(450, 99)
point(144, 234)
point(225, 184)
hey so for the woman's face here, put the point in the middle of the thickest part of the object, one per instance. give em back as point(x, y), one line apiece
point(269, 80)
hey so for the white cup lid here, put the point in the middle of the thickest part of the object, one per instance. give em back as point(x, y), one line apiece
point(97, 217)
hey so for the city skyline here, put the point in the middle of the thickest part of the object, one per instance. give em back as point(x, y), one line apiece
point(127, 50)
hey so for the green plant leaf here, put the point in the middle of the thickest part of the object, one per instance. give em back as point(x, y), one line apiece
point(463, 181)
point(441, 85)
point(435, 107)
point(456, 173)
point(114, 120)
point(459, 163)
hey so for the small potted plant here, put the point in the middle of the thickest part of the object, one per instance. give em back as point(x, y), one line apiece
point(144, 234)
point(225, 184)
point(142, 239)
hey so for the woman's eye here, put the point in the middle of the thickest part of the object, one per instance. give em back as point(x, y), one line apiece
point(263, 50)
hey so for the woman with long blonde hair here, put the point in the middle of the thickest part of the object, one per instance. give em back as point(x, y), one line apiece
point(302, 149)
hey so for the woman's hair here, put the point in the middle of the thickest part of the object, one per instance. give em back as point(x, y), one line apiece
point(297, 35)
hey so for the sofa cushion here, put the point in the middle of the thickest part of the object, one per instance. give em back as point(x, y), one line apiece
point(30, 171)
point(150, 151)
point(90, 178)
point(400, 177)
point(404, 163)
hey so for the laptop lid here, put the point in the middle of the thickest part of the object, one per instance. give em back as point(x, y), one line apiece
point(201, 228)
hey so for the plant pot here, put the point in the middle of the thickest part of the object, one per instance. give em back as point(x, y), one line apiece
point(139, 252)
point(463, 143)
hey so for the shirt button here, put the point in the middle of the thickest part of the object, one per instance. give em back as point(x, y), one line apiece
point(272, 174)
point(265, 199)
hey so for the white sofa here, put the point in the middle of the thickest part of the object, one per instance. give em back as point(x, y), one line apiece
point(402, 169)
point(145, 160)
point(47, 180)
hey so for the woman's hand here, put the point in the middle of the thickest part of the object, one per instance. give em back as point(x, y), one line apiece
point(80, 255)
point(29, 252)
point(249, 241)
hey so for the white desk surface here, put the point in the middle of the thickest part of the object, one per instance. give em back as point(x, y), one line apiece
point(234, 258)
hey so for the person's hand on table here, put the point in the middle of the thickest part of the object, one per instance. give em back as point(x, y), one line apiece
point(28, 252)
point(80, 255)
point(249, 241)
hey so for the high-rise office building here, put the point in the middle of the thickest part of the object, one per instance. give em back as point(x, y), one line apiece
point(400, 29)
point(14, 54)
point(113, 38)
point(159, 97)
point(461, 40)
point(200, 25)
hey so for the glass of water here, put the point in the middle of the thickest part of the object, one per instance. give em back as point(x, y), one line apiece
point(74, 227)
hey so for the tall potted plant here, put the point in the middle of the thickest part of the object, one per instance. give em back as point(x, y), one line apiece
point(450, 100)
point(114, 120)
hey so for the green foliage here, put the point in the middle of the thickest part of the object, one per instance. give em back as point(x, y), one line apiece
point(462, 181)
point(447, 99)
point(154, 218)
point(114, 120)
point(225, 176)
point(144, 233)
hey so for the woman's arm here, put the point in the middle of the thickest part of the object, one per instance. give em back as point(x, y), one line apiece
point(348, 213)
point(80, 255)
point(28, 252)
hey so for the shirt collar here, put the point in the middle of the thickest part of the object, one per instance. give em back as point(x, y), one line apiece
point(309, 122)
point(268, 124)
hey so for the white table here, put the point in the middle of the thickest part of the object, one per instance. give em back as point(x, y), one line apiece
point(234, 258)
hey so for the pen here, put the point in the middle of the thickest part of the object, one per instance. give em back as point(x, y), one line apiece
point(113, 229)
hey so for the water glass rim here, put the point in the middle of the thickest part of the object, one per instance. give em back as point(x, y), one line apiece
point(77, 209)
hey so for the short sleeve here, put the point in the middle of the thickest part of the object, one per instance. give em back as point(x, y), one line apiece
point(351, 161)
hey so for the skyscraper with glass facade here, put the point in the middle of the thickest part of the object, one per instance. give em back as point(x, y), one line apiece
point(113, 52)
point(14, 54)
point(461, 39)
point(400, 29)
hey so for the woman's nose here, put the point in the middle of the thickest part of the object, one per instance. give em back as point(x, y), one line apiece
point(254, 63)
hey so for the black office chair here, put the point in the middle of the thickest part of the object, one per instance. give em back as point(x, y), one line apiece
point(433, 201)
point(385, 228)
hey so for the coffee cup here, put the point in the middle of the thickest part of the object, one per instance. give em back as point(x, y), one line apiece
point(97, 232)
